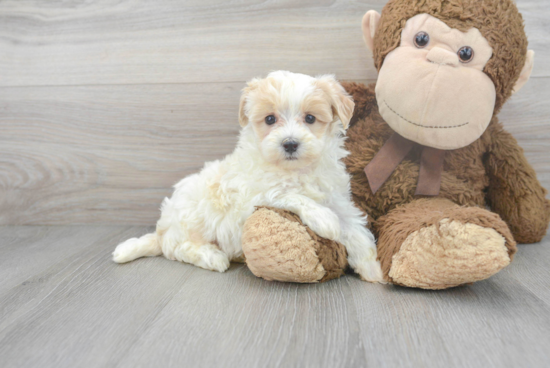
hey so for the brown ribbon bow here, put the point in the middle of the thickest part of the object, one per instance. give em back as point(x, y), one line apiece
point(393, 152)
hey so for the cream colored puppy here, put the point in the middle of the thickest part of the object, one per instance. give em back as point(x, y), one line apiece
point(288, 156)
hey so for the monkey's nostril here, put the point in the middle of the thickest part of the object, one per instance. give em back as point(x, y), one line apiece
point(290, 146)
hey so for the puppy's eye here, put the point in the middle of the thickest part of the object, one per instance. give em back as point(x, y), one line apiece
point(270, 119)
point(466, 54)
point(421, 39)
point(310, 119)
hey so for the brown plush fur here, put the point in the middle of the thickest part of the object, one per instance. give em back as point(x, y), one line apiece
point(491, 171)
point(498, 21)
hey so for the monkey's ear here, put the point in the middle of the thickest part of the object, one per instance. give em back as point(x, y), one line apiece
point(525, 72)
point(369, 26)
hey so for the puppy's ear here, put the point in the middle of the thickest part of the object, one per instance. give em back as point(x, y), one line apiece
point(243, 118)
point(342, 102)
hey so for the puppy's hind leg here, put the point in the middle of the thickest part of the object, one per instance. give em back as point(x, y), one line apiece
point(146, 246)
point(181, 242)
point(204, 255)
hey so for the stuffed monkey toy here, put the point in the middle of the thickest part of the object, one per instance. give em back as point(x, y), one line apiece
point(428, 155)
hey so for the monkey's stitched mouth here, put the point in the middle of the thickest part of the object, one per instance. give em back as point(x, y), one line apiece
point(424, 126)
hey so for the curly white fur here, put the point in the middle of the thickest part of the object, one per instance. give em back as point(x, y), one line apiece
point(202, 222)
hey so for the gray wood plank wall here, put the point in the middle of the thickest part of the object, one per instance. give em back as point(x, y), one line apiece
point(106, 104)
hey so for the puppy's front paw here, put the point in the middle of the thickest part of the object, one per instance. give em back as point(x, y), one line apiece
point(370, 270)
point(323, 222)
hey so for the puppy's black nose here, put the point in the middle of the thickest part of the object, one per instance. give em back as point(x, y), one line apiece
point(290, 145)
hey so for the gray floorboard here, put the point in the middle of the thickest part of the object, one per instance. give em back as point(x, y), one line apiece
point(68, 305)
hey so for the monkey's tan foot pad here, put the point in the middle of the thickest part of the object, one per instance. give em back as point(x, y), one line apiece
point(449, 254)
point(279, 247)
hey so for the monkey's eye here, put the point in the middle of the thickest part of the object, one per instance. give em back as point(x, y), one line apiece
point(310, 119)
point(270, 119)
point(421, 39)
point(466, 54)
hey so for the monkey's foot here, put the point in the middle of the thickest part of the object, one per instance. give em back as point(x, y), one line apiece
point(440, 244)
point(279, 247)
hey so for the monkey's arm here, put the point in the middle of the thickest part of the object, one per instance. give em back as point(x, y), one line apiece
point(514, 190)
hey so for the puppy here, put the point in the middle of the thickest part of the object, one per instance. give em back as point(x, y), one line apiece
point(288, 156)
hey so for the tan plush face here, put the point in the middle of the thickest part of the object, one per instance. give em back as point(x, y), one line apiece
point(432, 88)
point(294, 116)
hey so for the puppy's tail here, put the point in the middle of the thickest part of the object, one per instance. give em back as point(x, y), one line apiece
point(146, 246)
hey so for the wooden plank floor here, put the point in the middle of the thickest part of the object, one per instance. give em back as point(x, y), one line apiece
point(63, 303)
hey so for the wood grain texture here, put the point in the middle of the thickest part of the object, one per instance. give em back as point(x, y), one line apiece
point(83, 310)
point(22, 251)
point(110, 154)
point(107, 153)
point(138, 41)
point(105, 105)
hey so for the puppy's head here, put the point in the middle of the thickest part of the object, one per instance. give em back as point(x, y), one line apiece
point(294, 116)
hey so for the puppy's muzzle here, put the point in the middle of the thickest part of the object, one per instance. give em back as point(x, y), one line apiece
point(290, 145)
